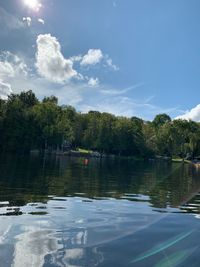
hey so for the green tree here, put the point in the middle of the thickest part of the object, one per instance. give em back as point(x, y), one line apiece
point(160, 120)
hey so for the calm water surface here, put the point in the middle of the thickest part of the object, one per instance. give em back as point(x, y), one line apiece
point(58, 211)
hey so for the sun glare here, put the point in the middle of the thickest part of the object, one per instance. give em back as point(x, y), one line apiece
point(33, 4)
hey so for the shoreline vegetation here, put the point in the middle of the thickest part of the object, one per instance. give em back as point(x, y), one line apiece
point(28, 125)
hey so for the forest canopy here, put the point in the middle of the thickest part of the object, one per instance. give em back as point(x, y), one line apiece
point(27, 123)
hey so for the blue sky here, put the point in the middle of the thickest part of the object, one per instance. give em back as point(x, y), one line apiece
point(127, 57)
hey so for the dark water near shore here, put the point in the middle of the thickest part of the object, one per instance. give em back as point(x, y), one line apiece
point(108, 213)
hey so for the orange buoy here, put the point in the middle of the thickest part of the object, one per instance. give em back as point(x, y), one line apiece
point(86, 161)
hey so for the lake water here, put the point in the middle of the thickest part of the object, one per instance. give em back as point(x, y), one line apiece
point(57, 211)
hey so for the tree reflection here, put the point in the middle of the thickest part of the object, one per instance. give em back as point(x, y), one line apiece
point(28, 180)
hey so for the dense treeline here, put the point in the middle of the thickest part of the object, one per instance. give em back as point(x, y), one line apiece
point(27, 123)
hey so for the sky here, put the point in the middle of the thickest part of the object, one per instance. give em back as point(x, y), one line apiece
point(127, 57)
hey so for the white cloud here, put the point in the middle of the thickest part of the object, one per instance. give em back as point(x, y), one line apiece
point(93, 82)
point(6, 70)
point(27, 20)
point(50, 62)
point(111, 65)
point(120, 91)
point(5, 90)
point(123, 106)
point(76, 58)
point(11, 66)
point(41, 21)
point(193, 114)
point(120, 106)
point(93, 57)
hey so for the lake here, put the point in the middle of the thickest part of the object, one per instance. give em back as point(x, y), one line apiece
point(60, 211)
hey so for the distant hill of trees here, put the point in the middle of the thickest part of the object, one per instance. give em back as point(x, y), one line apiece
point(27, 123)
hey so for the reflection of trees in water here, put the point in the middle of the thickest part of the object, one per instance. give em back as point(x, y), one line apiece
point(179, 185)
point(25, 180)
point(74, 251)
